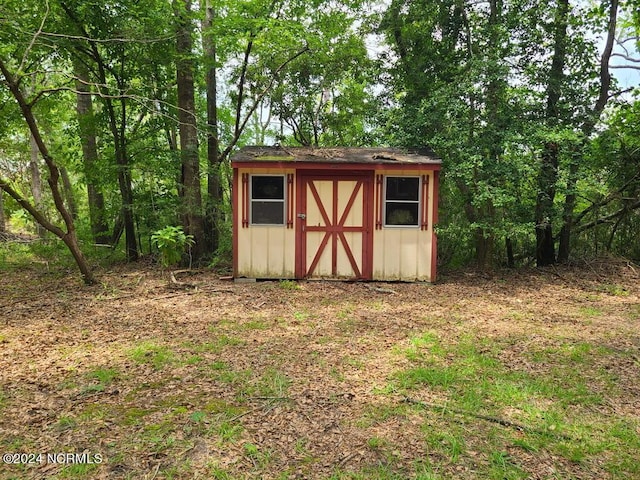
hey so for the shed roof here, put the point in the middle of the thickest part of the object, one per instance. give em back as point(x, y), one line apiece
point(339, 155)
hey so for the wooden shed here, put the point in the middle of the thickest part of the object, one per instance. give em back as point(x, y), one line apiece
point(335, 213)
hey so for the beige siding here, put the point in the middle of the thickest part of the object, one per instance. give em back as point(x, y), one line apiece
point(264, 251)
point(404, 253)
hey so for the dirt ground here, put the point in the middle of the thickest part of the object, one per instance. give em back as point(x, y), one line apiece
point(278, 379)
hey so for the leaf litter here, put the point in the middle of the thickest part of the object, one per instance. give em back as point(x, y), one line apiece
point(258, 380)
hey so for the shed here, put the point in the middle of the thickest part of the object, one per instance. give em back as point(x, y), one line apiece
point(335, 213)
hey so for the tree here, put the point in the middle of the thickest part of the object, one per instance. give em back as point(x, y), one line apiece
point(547, 178)
point(503, 90)
point(588, 126)
point(68, 235)
point(190, 190)
point(451, 92)
point(87, 131)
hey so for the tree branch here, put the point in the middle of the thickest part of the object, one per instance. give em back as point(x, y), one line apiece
point(622, 67)
point(35, 213)
point(606, 200)
point(241, 82)
point(626, 57)
point(605, 76)
point(34, 37)
point(259, 98)
point(608, 218)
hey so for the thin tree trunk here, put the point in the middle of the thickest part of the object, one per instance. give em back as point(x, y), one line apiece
point(564, 241)
point(484, 250)
point(214, 186)
point(192, 195)
point(3, 225)
point(36, 183)
point(511, 262)
point(545, 247)
point(68, 193)
point(126, 192)
point(118, 130)
point(87, 128)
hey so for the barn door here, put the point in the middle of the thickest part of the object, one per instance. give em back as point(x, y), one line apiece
point(334, 226)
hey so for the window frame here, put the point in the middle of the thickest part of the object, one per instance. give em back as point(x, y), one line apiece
point(418, 202)
point(283, 201)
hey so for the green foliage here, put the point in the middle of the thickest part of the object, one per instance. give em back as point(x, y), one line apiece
point(471, 82)
point(172, 243)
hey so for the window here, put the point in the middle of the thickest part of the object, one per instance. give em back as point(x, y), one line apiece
point(267, 200)
point(402, 201)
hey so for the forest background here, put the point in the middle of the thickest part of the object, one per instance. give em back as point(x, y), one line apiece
point(130, 110)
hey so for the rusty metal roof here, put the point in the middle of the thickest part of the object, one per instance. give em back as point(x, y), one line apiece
point(379, 155)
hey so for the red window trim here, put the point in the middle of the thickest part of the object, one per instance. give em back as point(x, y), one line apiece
point(424, 224)
point(289, 200)
point(379, 201)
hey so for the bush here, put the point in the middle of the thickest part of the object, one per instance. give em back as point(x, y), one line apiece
point(172, 243)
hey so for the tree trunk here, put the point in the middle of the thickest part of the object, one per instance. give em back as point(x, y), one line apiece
point(68, 193)
point(3, 225)
point(548, 175)
point(484, 249)
point(191, 194)
point(511, 262)
point(36, 183)
point(126, 191)
point(564, 242)
point(87, 132)
point(545, 247)
point(214, 188)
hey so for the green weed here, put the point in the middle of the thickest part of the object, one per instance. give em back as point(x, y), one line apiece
point(289, 285)
point(150, 353)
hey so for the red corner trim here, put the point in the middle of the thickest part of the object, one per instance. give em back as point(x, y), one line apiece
point(245, 200)
point(379, 202)
point(434, 221)
point(424, 224)
point(235, 221)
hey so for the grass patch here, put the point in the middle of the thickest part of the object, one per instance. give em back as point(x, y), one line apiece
point(613, 289)
point(553, 405)
point(590, 312)
point(255, 325)
point(150, 353)
point(65, 423)
point(78, 471)
point(504, 467)
point(259, 457)
point(104, 376)
point(3, 399)
point(273, 383)
point(217, 345)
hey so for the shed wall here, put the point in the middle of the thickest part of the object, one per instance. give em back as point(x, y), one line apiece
point(263, 251)
point(405, 253)
point(399, 253)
